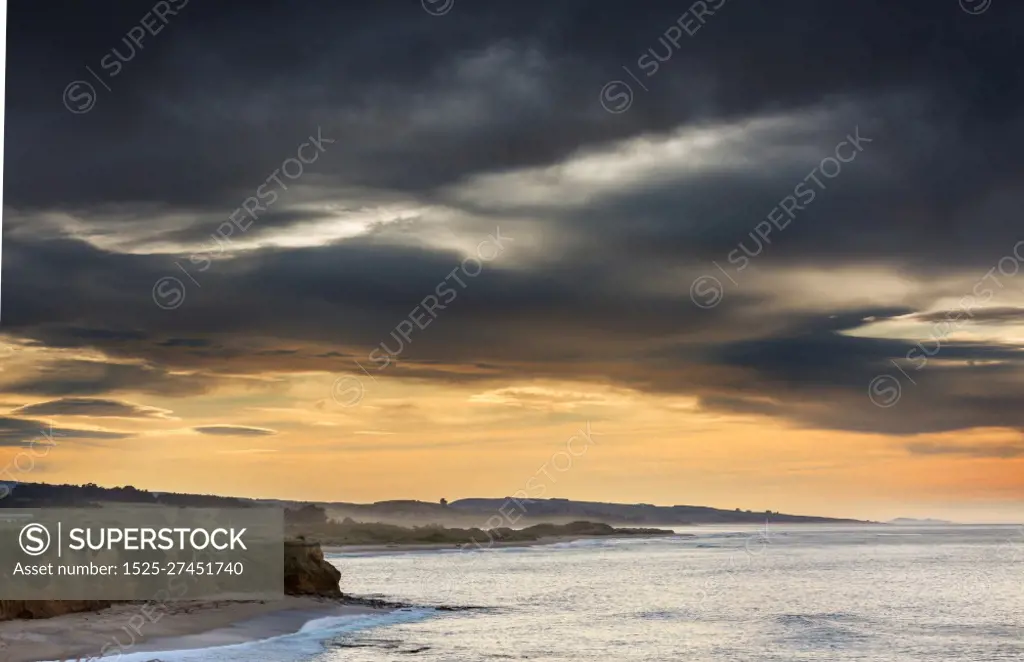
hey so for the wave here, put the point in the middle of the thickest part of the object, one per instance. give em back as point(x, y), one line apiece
point(301, 645)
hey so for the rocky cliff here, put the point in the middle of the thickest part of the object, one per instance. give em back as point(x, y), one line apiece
point(306, 572)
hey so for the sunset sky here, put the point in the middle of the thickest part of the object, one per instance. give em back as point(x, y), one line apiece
point(366, 251)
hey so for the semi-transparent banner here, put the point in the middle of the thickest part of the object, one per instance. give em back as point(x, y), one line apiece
point(141, 552)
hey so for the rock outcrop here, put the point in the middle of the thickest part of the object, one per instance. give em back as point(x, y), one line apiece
point(306, 572)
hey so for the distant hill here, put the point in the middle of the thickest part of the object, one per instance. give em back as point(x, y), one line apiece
point(476, 512)
point(43, 495)
point(465, 512)
point(638, 513)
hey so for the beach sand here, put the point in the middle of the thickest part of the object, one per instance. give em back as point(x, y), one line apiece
point(181, 625)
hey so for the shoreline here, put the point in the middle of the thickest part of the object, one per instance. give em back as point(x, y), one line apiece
point(398, 548)
point(191, 625)
point(182, 626)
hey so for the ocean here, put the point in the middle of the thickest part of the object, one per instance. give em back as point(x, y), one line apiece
point(712, 594)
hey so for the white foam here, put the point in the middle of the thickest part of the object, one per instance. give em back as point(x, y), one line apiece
point(308, 641)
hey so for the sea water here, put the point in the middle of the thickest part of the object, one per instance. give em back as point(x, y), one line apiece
point(720, 594)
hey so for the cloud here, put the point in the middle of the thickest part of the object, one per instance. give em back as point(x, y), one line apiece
point(234, 430)
point(185, 342)
point(18, 431)
point(86, 377)
point(95, 407)
point(997, 451)
point(995, 314)
point(499, 125)
point(545, 399)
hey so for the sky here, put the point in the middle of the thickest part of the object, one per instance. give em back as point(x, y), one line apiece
point(737, 254)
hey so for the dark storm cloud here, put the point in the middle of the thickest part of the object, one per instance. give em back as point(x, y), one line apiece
point(18, 431)
point(360, 290)
point(104, 334)
point(96, 407)
point(819, 378)
point(84, 378)
point(185, 342)
point(482, 89)
point(823, 383)
point(234, 430)
point(423, 109)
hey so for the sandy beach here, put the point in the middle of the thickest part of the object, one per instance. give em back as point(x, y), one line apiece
point(181, 625)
